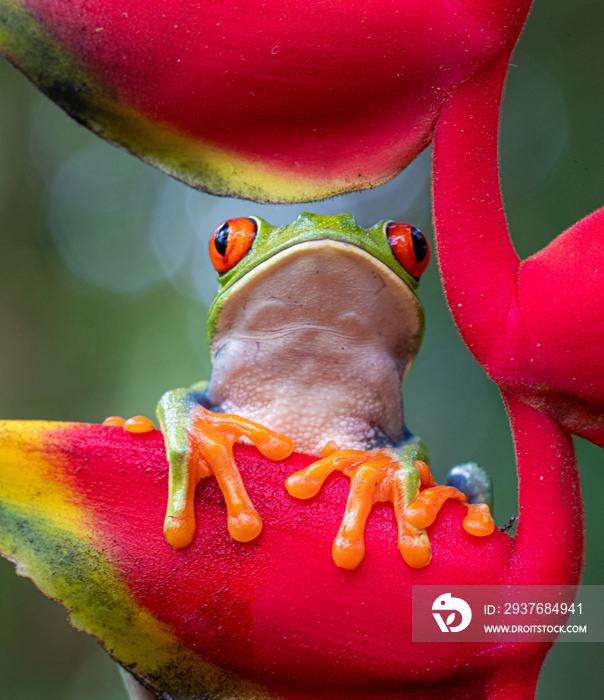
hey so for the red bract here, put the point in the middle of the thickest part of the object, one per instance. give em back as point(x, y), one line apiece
point(81, 509)
point(277, 101)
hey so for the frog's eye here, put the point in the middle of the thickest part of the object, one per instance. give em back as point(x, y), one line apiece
point(231, 241)
point(410, 247)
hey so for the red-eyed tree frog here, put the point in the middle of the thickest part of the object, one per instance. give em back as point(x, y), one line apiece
point(312, 332)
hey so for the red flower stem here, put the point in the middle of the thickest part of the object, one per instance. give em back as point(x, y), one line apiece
point(550, 541)
point(479, 269)
point(475, 253)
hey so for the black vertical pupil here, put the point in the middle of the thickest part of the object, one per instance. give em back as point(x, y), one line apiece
point(420, 244)
point(221, 238)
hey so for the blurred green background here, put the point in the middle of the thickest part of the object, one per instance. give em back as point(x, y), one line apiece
point(104, 285)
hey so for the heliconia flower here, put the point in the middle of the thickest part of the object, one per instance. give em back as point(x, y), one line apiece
point(289, 103)
point(81, 512)
point(282, 101)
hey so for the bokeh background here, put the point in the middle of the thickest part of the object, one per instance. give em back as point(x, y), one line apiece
point(104, 286)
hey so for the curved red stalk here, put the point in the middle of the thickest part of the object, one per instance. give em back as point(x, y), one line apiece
point(522, 325)
point(549, 544)
point(475, 254)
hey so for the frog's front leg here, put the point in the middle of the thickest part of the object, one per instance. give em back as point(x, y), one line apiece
point(199, 443)
point(390, 474)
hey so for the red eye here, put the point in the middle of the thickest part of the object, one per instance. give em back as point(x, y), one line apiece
point(230, 242)
point(410, 247)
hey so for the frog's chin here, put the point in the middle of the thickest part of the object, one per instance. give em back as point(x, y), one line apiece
point(315, 343)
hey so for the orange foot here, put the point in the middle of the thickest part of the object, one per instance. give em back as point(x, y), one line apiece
point(391, 474)
point(209, 451)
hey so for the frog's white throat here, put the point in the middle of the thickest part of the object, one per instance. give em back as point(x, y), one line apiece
point(315, 343)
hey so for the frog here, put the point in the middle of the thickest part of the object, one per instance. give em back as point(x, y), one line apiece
point(312, 333)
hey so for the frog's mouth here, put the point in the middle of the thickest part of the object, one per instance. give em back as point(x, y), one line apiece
point(322, 320)
point(333, 286)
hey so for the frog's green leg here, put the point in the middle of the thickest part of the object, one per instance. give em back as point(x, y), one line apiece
point(199, 443)
point(389, 474)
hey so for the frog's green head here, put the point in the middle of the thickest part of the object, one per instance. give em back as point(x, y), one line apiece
point(321, 271)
